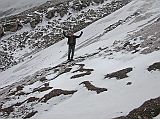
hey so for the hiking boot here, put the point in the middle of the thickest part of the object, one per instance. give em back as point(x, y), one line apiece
point(71, 60)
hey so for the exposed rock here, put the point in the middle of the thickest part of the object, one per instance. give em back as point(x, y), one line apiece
point(46, 84)
point(12, 26)
point(36, 20)
point(43, 79)
point(42, 89)
point(158, 20)
point(129, 83)
point(50, 14)
point(147, 110)
point(21, 93)
point(149, 38)
point(98, 1)
point(119, 74)
point(6, 60)
point(61, 70)
point(55, 93)
point(82, 69)
point(91, 87)
point(80, 75)
point(18, 103)
point(32, 99)
point(1, 31)
point(7, 110)
point(18, 88)
point(30, 115)
point(155, 66)
point(77, 6)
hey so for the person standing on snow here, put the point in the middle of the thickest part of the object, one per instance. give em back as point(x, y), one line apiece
point(71, 44)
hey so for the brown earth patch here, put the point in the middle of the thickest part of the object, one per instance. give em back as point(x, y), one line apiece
point(147, 110)
point(81, 69)
point(21, 93)
point(30, 115)
point(55, 93)
point(32, 99)
point(155, 66)
point(43, 79)
point(119, 74)
point(91, 87)
point(7, 111)
point(80, 75)
point(42, 89)
point(129, 83)
point(18, 88)
point(10, 109)
point(63, 72)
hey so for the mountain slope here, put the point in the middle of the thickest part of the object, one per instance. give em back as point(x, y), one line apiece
point(29, 32)
point(116, 69)
point(13, 7)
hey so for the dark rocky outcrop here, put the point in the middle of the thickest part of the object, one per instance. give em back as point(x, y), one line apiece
point(81, 69)
point(18, 88)
point(32, 99)
point(12, 26)
point(129, 83)
point(30, 115)
point(6, 60)
point(43, 79)
point(1, 31)
point(91, 87)
point(35, 20)
point(7, 111)
point(55, 93)
point(147, 110)
point(119, 74)
point(154, 67)
point(42, 89)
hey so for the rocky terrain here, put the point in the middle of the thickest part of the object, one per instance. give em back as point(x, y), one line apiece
point(115, 72)
point(38, 28)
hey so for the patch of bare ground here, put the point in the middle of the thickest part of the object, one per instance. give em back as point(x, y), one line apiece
point(55, 93)
point(43, 79)
point(62, 69)
point(32, 99)
point(119, 74)
point(18, 88)
point(8, 110)
point(147, 110)
point(30, 115)
point(144, 41)
point(129, 83)
point(154, 67)
point(91, 87)
point(42, 89)
point(81, 69)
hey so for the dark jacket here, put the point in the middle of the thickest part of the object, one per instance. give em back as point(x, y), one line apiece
point(72, 39)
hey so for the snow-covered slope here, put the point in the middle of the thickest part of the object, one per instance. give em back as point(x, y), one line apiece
point(116, 69)
point(28, 32)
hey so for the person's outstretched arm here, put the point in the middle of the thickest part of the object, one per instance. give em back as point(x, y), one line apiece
point(79, 35)
point(65, 34)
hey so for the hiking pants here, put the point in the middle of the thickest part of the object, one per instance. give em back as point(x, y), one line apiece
point(71, 49)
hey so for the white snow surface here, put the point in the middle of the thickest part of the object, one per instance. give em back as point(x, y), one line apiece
point(120, 98)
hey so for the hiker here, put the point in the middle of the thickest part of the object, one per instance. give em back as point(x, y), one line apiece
point(71, 44)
